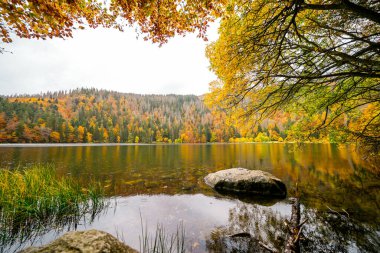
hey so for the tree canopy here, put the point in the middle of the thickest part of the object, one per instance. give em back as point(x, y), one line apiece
point(320, 58)
point(157, 20)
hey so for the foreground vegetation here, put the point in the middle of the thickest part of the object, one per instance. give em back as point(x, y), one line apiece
point(35, 200)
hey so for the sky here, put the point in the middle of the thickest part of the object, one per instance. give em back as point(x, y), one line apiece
point(107, 59)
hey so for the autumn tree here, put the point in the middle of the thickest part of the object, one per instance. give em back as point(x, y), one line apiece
point(157, 20)
point(318, 58)
point(48, 19)
point(55, 137)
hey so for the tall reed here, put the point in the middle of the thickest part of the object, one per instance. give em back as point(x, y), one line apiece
point(35, 200)
point(162, 242)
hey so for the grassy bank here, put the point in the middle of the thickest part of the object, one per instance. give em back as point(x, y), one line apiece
point(34, 200)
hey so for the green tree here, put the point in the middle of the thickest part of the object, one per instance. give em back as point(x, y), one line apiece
point(20, 130)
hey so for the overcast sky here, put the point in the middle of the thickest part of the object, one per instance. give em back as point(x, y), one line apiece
point(107, 59)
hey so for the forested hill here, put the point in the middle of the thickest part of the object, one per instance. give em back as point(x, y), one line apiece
point(90, 115)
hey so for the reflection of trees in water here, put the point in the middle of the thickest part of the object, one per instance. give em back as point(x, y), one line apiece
point(359, 196)
point(324, 232)
point(263, 224)
point(335, 232)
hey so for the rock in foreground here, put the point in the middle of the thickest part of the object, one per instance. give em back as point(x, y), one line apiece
point(90, 241)
point(243, 181)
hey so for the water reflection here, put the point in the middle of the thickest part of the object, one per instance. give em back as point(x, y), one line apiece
point(328, 174)
point(256, 223)
point(330, 178)
point(199, 214)
point(332, 231)
point(323, 232)
point(209, 222)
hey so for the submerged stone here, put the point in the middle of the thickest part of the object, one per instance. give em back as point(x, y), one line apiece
point(90, 241)
point(244, 181)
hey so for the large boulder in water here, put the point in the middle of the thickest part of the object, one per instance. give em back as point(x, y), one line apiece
point(90, 241)
point(243, 181)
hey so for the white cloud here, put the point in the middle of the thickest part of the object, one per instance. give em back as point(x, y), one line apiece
point(108, 59)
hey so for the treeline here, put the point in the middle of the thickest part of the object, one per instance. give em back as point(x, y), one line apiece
point(100, 116)
point(91, 115)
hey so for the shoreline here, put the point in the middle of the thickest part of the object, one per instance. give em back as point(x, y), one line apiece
point(149, 144)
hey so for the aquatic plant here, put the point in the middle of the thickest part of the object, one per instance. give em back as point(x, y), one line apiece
point(35, 200)
point(162, 242)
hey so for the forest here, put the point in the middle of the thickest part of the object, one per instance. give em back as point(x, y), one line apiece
point(101, 116)
point(301, 71)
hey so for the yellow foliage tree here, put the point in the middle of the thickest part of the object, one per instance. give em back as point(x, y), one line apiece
point(318, 59)
point(55, 137)
point(81, 130)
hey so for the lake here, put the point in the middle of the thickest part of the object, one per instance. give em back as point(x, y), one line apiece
point(163, 184)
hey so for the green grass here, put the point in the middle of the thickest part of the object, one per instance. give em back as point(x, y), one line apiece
point(35, 200)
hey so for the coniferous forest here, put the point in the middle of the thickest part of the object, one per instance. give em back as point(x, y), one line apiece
point(100, 116)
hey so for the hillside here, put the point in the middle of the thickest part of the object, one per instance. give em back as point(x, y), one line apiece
point(101, 116)
point(90, 115)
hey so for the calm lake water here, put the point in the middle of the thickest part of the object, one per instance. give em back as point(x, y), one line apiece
point(163, 184)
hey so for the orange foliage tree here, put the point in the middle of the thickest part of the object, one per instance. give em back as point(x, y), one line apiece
point(157, 20)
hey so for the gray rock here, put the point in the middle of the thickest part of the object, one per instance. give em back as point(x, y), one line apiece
point(90, 241)
point(243, 181)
